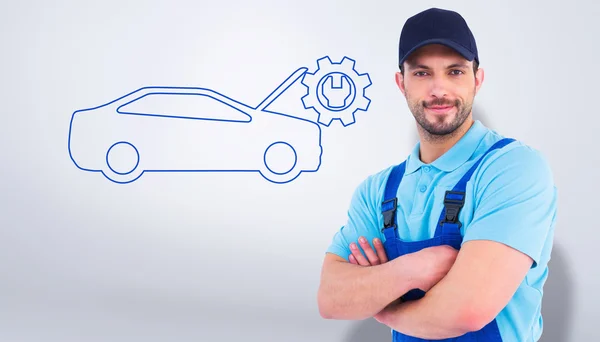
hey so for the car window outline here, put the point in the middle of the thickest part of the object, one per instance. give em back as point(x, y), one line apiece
point(184, 117)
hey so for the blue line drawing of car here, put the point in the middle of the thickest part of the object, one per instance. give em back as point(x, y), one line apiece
point(188, 129)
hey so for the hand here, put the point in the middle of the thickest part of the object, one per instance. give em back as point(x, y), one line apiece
point(373, 258)
point(432, 264)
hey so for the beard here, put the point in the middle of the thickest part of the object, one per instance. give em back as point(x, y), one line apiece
point(439, 127)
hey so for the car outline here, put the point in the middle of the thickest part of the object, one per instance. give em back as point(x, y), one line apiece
point(307, 156)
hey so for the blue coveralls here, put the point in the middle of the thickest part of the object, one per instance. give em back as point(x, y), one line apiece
point(448, 232)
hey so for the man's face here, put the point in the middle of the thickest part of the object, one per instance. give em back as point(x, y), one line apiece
point(439, 86)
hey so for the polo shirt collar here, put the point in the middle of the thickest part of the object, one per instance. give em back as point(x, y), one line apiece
point(455, 156)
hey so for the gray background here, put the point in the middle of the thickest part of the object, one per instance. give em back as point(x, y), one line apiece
point(228, 257)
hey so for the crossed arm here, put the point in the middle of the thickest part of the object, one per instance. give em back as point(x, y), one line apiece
point(481, 282)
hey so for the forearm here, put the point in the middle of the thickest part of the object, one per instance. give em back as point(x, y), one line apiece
point(482, 281)
point(355, 292)
point(435, 316)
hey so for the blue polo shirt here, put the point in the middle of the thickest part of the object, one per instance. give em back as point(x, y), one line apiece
point(511, 198)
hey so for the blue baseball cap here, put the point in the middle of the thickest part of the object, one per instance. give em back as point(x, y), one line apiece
point(437, 26)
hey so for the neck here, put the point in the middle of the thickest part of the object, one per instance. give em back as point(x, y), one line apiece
point(434, 146)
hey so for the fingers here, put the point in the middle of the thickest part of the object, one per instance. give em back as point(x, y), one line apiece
point(371, 255)
point(360, 258)
point(380, 250)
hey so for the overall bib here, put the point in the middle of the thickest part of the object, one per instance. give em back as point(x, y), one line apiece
point(447, 233)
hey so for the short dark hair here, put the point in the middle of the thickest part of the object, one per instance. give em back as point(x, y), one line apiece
point(475, 67)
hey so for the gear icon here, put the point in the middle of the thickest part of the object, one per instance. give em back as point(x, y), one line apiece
point(336, 102)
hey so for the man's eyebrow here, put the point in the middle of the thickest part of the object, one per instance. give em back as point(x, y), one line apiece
point(417, 66)
point(458, 65)
point(451, 66)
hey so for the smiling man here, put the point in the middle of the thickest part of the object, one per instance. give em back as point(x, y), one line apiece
point(454, 242)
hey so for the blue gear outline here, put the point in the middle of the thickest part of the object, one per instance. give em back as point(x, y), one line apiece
point(346, 67)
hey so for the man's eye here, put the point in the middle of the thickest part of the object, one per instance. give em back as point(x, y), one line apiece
point(420, 73)
point(460, 72)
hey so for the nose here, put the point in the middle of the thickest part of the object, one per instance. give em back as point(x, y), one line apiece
point(439, 87)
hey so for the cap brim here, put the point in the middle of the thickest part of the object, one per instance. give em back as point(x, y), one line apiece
point(447, 42)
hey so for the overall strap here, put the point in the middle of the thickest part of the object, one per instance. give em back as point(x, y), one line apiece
point(390, 201)
point(455, 198)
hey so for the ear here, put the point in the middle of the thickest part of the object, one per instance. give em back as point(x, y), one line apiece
point(400, 82)
point(479, 76)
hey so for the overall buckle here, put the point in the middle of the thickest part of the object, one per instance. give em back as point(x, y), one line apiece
point(388, 209)
point(453, 202)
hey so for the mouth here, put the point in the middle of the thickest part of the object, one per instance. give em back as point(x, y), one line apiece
point(440, 109)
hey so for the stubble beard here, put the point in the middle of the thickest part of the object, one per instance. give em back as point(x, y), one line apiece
point(439, 130)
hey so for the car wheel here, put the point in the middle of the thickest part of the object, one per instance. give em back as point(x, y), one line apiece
point(122, 163)
point(280, 163)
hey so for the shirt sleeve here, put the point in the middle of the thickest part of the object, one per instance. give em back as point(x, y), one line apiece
point(516, 202)
point(364, 218)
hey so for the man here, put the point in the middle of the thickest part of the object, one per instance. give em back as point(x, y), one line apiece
point(454, 242)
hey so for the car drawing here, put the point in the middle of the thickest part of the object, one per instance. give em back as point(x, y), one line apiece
point(188, 129)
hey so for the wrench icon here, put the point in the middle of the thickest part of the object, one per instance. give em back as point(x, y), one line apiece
point(336, 95)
